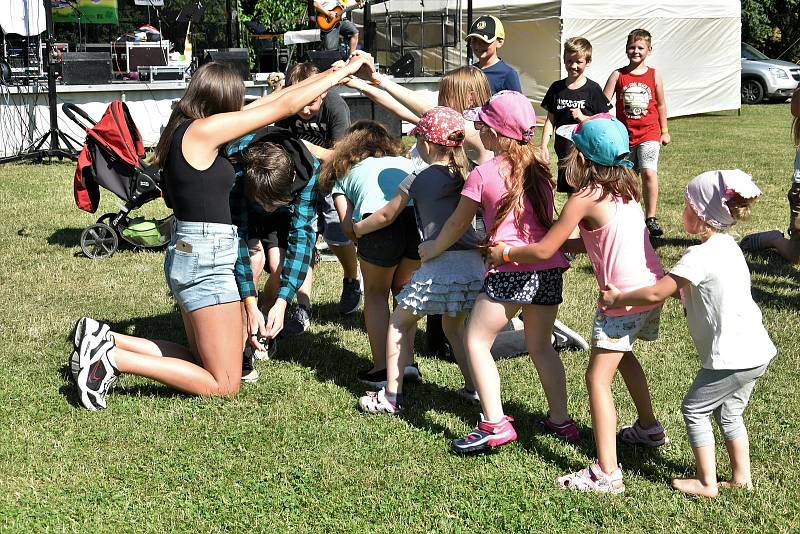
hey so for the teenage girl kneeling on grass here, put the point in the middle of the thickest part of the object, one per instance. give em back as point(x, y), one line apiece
point(448, 285)
point(515, 190)
point(606, 209)
point(724, 321)
point(202, 260)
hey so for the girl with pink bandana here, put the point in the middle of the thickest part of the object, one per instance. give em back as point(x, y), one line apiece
point(725, 323)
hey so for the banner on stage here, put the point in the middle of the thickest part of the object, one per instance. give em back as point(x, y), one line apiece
point(87, 11)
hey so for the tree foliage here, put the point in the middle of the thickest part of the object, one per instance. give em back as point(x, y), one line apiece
point(772, 26)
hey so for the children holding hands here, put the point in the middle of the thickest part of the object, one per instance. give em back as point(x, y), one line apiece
point(605, 207)
point(725, 323)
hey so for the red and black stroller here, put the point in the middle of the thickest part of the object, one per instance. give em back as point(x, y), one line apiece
point(112, 157)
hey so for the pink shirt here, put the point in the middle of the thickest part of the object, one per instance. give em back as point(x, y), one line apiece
point(621, 253)
point(485, 184)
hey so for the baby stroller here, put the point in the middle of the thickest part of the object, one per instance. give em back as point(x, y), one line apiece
point(112, 157)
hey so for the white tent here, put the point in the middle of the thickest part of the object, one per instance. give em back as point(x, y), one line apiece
point(696, 45)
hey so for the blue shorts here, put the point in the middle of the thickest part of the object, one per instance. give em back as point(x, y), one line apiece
point(199, 264)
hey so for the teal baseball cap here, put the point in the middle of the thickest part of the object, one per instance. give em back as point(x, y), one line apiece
point(601, 139)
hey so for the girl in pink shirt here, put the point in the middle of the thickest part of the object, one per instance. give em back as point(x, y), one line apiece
point(606, 210)
point(515, 190)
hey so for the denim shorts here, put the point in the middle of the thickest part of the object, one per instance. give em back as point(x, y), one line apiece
point(199, 264)
point(617, 334)
point(328, 223)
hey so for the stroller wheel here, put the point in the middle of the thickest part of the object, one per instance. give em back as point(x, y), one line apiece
point(99, 240)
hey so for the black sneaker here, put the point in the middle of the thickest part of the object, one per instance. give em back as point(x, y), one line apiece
point(564, 338)
point(272, 349)
point(97, 374)
point(377, 379)
point(351, 296)
point(249, 371)
point(298, 321)
point(653, 227)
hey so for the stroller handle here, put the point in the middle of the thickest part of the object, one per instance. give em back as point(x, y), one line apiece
point(71, 109)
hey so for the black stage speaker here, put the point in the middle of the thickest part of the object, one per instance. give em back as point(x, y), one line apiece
point(323, 59)
point(86, 68)
point(403, 67)
point(362, 107)
point(236, 58)
point(276, 60)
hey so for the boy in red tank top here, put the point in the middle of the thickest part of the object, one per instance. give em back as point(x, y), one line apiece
point(642, 108)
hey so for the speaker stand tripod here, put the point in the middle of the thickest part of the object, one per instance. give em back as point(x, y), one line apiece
point(35, 151)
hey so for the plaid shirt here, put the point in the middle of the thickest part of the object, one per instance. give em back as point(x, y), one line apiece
point(302, 231)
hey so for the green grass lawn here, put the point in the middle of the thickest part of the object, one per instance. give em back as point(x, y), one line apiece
point(293, 453)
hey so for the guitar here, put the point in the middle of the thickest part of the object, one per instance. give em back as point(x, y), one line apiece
point(325, 24)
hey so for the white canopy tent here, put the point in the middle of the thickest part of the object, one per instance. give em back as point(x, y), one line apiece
point(696, 45)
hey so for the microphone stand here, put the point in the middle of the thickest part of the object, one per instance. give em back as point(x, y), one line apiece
point(35, 151)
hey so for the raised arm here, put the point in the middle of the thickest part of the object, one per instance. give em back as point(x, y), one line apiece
point(211, 132)
point(453, 229)
point(406, 97)
point(383, 217)
point(384, 99)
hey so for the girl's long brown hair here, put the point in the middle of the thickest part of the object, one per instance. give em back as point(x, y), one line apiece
point(365, 138)
point(528, 177)
point(580, 173)
point(215, 88)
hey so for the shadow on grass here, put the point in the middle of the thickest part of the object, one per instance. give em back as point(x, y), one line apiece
point(66, 237)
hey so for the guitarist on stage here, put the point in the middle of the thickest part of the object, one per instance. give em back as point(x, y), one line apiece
point(332, 10)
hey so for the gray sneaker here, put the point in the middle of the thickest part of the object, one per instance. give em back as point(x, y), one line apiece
point(351, 296)
point(298, 321)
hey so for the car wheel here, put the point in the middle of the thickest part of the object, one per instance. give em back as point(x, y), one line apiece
point(752, 91)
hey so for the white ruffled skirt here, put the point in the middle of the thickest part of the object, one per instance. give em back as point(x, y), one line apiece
point(446, 285)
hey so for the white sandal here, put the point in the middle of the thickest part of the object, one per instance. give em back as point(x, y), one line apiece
point(375, 402)
point(593, 479)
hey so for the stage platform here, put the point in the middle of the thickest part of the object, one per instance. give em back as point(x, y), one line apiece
point(24, 114)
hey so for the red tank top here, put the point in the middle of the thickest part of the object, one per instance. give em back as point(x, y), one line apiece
point(636, 105)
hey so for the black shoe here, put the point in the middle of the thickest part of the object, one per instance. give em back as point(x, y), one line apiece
point(653, 227)
point(564, 338)
point(298, 322)
point(249, 371)
point(351, 296)
point(377, 379)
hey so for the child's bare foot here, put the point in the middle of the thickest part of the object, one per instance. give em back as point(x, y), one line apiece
point(693, 486)
point(730, 484)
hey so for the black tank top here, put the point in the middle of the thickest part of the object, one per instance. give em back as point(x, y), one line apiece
point(197, 196)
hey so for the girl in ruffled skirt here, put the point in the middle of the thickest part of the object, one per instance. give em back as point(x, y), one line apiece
point(447, 286)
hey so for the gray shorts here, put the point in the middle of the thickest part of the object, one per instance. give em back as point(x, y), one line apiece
point(618, 333)
point(329, 225)
point(199, 264)
point(645, 155)
point(723, 392)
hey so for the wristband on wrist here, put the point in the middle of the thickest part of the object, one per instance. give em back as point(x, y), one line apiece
point(506, 252)
point(250, 299)
point(377, 79)
point(664, 130)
